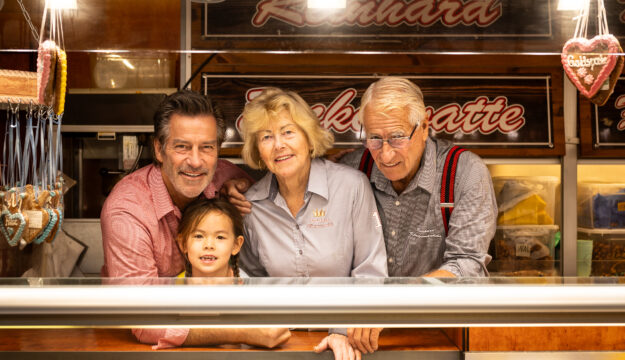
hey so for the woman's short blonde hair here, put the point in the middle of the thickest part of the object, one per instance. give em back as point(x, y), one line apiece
point(394, 93)
point(265, 108)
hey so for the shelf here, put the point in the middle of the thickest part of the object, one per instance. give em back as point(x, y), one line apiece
point(167, 91)
point(522, 161)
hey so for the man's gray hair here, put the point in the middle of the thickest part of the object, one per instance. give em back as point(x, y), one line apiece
point(394, 93)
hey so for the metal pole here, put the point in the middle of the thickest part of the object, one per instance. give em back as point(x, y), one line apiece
point(569, 181)
point(185, 41)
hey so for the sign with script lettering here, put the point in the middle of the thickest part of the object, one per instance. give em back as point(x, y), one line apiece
point(378, 18)
point(479, 112)
point(609, 119)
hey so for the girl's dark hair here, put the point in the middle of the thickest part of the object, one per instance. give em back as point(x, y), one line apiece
point(195, 212)
point(188, 103)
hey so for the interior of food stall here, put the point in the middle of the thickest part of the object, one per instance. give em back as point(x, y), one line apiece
point(554, 156)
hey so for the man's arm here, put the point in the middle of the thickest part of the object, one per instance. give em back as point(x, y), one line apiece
point(264, 337)
point(473, 221)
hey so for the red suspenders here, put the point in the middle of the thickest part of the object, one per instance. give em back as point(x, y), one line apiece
point(366, 163)
point(447, 182)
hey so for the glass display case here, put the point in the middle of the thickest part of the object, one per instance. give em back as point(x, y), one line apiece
point(424, 317)
point(478, 62)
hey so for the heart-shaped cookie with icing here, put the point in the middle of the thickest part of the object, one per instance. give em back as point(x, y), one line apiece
point(12, 221)
point(602, 96)
point(38, 217)
point(589, 63)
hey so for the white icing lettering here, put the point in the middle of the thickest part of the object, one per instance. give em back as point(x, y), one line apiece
point(587, 62)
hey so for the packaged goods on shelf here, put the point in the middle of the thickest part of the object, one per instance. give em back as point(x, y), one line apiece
point(601, 205)
point(525, 250)
point(526, 200)
point(608, 250)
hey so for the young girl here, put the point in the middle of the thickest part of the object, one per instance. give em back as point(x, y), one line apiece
point(210, 236)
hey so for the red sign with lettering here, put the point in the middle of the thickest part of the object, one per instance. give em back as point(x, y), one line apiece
point(472, 111)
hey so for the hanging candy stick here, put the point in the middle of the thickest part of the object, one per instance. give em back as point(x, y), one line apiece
point(46, 65)
point(60, 81)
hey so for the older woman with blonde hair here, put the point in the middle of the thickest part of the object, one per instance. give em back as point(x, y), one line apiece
point(310, 217)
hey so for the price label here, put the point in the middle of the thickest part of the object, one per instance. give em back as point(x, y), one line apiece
point(523, 250)
point(35, 219)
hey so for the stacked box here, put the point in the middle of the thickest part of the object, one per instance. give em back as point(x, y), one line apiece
point(601, 205)
point(526, 200)
point(608, 250)
point(525, 250)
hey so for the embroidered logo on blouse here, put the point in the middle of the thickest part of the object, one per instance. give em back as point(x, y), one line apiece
point(319, 219)
point(319, 213)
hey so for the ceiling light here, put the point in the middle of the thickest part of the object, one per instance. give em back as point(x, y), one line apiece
point(62, 4)
point(568, 5)
point(327, 4)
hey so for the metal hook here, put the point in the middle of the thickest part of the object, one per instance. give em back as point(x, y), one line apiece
point(15, 110)
point(30, 109)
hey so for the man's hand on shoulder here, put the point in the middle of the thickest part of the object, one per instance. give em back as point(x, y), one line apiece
point(233, 190)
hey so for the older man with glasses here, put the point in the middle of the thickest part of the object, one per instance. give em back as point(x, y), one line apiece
point(406, 170)
point(434, 225)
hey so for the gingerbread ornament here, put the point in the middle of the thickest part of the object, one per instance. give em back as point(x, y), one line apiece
point(56, 216)
point(12, 221)
point(593, 65)
point(41, 220)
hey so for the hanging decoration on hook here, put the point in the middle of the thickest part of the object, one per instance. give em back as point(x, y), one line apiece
point(31, 182)
point(593, 65)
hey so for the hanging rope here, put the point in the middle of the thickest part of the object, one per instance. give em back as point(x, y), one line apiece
point(33, 31)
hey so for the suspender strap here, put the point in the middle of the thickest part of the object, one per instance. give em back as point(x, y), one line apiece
point(447, 184)
point(366, 163)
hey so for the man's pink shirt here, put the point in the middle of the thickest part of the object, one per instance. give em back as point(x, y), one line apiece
point(139, 225)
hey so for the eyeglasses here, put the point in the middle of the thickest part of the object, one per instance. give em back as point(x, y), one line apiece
point(397, 142)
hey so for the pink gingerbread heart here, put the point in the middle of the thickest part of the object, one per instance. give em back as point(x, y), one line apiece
point(588, 63)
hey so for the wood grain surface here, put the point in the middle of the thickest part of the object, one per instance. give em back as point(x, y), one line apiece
point(123, 340)
point(547, 338)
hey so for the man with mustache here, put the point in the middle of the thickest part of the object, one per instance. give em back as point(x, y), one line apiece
point(140, 217)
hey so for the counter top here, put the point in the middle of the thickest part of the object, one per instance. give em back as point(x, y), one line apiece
point(39, 343)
